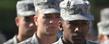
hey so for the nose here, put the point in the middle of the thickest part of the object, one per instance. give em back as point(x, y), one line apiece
point(76, 29)
point(31, 24)
point(51, 21)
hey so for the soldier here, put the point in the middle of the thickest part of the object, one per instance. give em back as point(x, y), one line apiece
point(24, 22)
point(103, 27)
point(47, 21)
point(75, 24)
point(92, 34)
point(2, 38)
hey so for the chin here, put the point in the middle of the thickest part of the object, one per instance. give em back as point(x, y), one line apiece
point(79, 41)
point(78, 38)
point(50, 34)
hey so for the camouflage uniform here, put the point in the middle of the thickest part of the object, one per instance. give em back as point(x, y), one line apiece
point(32, 40)
point(60, 42)
point(12, 41)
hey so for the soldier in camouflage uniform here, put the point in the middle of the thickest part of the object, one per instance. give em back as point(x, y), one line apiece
point(103, 26)
point(47, 21)
point(75, 22)
point(24, 22)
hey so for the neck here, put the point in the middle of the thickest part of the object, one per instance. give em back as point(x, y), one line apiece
point(22, 36)
point(46, 39)
point(66, 41)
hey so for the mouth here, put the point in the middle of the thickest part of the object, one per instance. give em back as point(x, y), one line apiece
point(79, 40)
point(53, 27)
point(78, 36)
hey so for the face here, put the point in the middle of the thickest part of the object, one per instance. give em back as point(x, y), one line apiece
point(48, 23)
point(25, 24)
point(75, 31)
point(103, 39)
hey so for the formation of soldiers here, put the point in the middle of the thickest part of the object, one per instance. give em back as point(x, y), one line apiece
point(58, 22)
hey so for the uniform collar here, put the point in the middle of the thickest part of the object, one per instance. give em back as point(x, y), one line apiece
point(61, 42)
point(34, 40)
point(15, 39)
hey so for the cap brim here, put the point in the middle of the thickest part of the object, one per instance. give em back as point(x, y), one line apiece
point(74, 17)
point(103, 27)
point(26, 13)
point(50, 10)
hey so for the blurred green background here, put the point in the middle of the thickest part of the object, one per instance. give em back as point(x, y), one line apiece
point(8, 13)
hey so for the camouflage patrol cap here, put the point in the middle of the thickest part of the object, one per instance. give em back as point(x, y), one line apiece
point(49, 6)
point(72, 10)
point(103, 25)
point(25, 8)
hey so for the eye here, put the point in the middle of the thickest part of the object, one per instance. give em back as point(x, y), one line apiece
point(28, 18)
point(58, 17)
point(46, 17)
point(74, 24)
point(85, 23)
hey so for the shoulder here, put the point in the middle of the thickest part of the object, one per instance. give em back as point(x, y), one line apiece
point(27, 41)
point(2, 38)
point(31, 40)
point(11, 41)
point(59, 41)
point(92, 42)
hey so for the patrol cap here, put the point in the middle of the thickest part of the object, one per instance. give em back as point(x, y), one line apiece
point(104, 14)
point(25, 8)
point(48, 6)
point(71, 10)
point(103, 25)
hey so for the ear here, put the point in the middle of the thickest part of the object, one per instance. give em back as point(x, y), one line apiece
point(60, 24)
point(17, 21)
point(35, 19)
